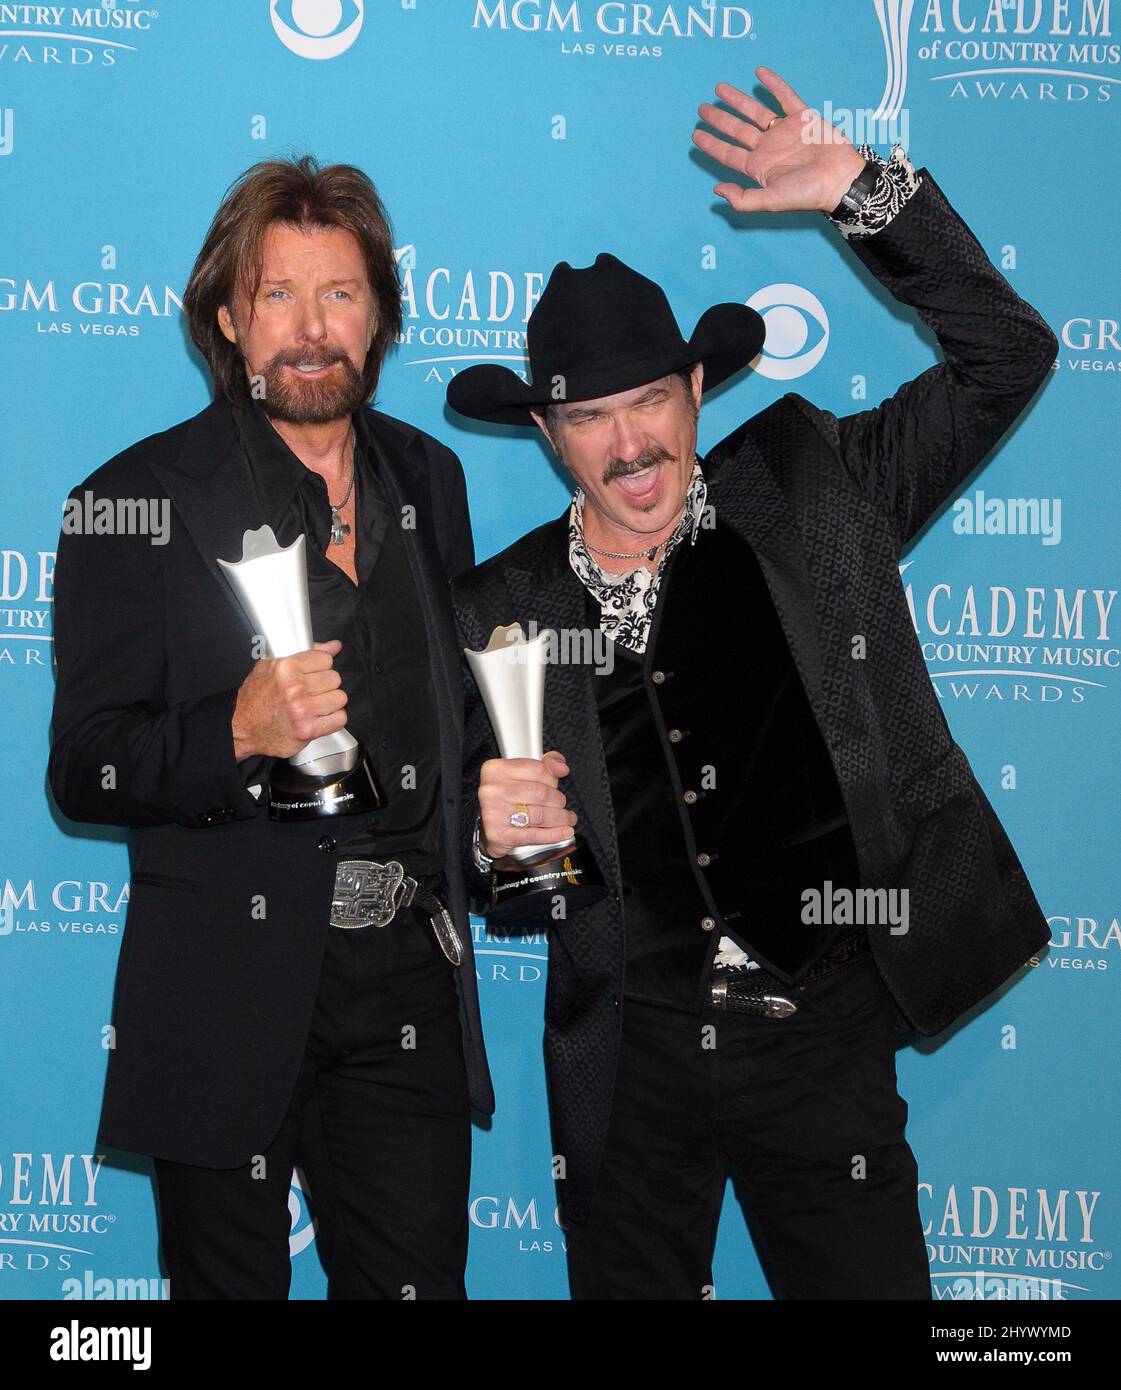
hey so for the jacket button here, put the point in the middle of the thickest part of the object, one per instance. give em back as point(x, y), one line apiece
point(689, 798)
point(707, 923)
point(205, 818)
point(675, 736)
point(704, 860)
point(326, 844)
point(658, 677)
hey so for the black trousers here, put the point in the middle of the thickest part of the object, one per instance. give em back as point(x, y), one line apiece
point(802, 1112)
point(379, 1123)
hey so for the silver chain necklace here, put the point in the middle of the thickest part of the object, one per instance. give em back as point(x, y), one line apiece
point(626, 555)
point(339, 528)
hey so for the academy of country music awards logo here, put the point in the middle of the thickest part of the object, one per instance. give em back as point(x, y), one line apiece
point(508, 957)
point(1012, 1243)
point(97, 35)
point(455, 317)
point(1018, 644)
point(1049, 51)
point(26, 582)
point(51, 1216)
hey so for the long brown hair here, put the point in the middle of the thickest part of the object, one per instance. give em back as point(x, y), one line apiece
point(298, 192)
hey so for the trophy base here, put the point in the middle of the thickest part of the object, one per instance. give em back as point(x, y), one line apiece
point(525, 892)
point(295, 795)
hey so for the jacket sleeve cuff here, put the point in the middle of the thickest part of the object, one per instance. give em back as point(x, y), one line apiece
point(216, 786)
point(896, 185)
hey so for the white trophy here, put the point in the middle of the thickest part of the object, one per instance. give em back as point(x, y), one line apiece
point(510, 674)
point(330, 776)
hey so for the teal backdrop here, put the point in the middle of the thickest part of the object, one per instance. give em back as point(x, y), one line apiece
point(506, 135)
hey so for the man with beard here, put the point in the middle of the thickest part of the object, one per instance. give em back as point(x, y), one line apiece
point(296, 991)
point(797, 855)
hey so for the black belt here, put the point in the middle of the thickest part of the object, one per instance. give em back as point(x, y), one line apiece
point(369, 894)
point(761, 993)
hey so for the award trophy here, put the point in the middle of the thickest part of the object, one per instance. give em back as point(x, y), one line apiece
point(329, 776)
point(510, 674)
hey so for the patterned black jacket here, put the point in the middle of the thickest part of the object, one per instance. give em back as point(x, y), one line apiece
point(828, 504)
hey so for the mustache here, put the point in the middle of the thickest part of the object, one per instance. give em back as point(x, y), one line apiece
point(304, 357)
point(623, 468)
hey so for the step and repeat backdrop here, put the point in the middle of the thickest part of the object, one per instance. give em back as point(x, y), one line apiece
point(504, 136)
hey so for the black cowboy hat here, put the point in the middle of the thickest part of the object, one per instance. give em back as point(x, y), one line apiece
point(600, 330)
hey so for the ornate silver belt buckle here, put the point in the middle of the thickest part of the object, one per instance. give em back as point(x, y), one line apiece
point(369, 894)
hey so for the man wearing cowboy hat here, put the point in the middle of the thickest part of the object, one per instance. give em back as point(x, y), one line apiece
point(798, 858)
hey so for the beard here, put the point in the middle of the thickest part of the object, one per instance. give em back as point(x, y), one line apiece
point(311, 402)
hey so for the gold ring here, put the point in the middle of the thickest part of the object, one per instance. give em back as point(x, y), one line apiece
point(773, 120)
point(519, 816)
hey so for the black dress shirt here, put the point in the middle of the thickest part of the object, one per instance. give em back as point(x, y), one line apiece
point(384, 661)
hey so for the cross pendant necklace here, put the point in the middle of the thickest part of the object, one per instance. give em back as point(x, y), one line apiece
point(339, 528)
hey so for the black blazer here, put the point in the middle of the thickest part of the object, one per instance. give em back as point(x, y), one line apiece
point(213, 1003)
point(828, 505)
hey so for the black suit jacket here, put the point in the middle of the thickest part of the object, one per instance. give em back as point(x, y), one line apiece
point(213, 1002)
point(828, 505)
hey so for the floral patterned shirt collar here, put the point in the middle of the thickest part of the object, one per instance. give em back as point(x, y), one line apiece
point(626, 601)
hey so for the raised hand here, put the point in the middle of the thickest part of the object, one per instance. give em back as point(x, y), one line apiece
point(801, 162)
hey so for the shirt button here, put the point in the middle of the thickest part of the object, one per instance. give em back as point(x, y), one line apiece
point(707, 923)
point(689, 798)
point(704, 860)
point(658, 677)
point(377, 667)
point(675, 736)
point(326, 844)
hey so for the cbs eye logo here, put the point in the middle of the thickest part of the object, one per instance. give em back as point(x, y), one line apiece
point(317, 28)
point(794, 318)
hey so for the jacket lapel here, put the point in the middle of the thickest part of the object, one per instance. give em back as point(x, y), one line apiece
point(401, 471)
point(212, 494)
point(746, 497)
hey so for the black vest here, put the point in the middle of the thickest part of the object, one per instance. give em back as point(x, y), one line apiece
point(727, 808)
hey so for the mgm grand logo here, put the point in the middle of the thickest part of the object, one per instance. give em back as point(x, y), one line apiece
point(621, 29)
